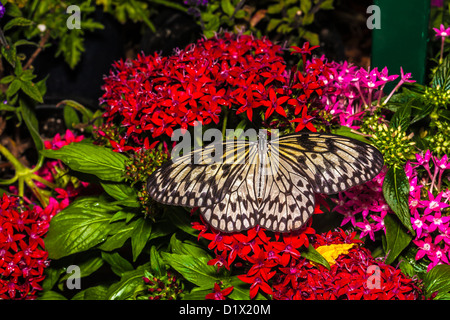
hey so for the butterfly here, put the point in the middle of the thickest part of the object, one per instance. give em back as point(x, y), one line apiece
point(271, 183)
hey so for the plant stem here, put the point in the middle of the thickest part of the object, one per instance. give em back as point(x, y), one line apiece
point(43, 41)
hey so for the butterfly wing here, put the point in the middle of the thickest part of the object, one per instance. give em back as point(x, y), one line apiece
point(288, 199)
point(331, 163)
point(238, 210)
point(182, 182)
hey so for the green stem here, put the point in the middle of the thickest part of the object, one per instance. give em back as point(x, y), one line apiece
point(43, 181)
point(9, 156)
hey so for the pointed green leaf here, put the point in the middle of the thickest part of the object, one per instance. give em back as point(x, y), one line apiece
point(125, 288)
point(396, 194)
point(227, 7)
point(17, 22)
point(313, 255)
point(441, 78)
point(122, 192)
point(193, 269)
point(157, 265)
point(119, 233)
point(79, 227)
point(92, 293)
point(88, 158)
point(118, 264)
point(397, 237)
point(32, 91)
point(438, 279)
point(32, 124)
point(140, 236)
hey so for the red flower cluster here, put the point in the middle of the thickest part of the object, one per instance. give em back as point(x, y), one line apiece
point(153, 95)
point(261, 256)
point(22, 255)
point(356, 275)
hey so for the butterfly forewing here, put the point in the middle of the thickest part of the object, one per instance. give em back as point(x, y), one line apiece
point(185, 182)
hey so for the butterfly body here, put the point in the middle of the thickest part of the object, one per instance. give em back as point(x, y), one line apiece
point(271, 183)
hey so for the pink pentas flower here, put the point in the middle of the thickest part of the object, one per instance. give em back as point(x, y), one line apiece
point(434, 203)
point(437, 256)
point(442, 32)
point(437, 222)
point(366, 228)
point(425, 247)
point(418, 224)
point(442, 163)
point(58, 142)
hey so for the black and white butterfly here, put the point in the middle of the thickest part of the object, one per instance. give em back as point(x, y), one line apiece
point(267, 183)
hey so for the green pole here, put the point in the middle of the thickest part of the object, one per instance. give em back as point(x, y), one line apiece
point(401, 40)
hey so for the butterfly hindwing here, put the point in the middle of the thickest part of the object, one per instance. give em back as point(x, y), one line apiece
point(288, 198)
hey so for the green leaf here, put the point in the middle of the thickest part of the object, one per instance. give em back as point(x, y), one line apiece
point(179, 217)
point(157, 265)
point(347, 132)
point(7, 79)
point(71, 45)
point(32, 124)
point(397, 238)
point(9, 54)
point(17, 22)
point(92, 293)
point(118, 264)
point(193, 269)
point(125, 288)
point(122, 192)
point(32, 91)
point(441, 78)
point(119, 232)
point(313, 255)
point(51, 295)
point(227, 7)
point(87, 267)
point(241, 290)
point(86, 113)
point(275, 8)
point(273, 23)
point(88, 158)
point(15, 86)
point(402, 117)
point(396, 194)
point(79, 227)
point(71, 118)
point(438, 279)
point(140, 236)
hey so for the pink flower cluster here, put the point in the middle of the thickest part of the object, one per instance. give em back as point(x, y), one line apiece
point(427, 202)
point(350, 91)
point(429, 216)
point(368, 200)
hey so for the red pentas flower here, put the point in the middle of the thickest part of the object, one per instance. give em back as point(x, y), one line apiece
point(151, 96)
point(354, 274)
point(261, 255)
point(22, 253)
